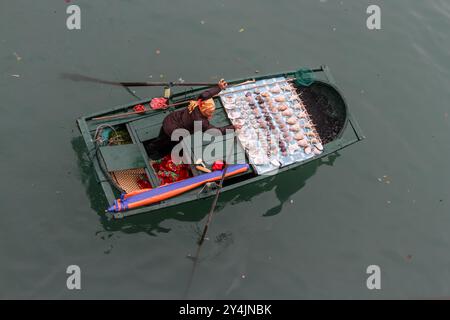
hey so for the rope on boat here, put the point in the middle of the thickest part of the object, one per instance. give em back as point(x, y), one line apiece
point(132, 93)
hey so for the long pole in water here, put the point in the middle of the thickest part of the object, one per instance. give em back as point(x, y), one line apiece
point(210, 215)
point(219, 189)
point(213, 205)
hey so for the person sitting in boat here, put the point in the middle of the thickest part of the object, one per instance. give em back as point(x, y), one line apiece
point(201, 110)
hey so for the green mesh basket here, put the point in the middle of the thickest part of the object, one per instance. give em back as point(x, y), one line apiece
point(304, 77)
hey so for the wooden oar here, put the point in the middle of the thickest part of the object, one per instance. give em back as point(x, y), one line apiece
point(79, 77)
point(205, 230)
point(167, 84)
point(214, 203)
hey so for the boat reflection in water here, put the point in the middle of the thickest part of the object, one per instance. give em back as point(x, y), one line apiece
point(284, 184)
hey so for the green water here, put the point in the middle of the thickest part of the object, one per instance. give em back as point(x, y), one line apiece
point(309, 233)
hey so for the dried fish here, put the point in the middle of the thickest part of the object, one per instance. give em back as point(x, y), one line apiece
point(302, 143)
point(282, 107)
point(288, 112)
point(292, 120)
point(299, 136)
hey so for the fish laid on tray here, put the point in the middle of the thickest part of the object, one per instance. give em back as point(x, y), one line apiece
point(276, 129)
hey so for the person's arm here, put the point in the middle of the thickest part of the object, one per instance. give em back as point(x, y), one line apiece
point(206, 125)
point(211, 92)
point(208, 94)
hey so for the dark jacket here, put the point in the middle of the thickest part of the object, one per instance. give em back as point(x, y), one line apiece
point(183, 119)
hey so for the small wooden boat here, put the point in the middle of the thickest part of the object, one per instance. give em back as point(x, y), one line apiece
point(116, 142)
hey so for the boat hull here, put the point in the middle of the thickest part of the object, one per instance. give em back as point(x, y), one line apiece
point(349, 134)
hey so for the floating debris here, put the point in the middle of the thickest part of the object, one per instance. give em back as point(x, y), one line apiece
point(15, 75)
point(158, 51)
point(202, 22)
point(385, 179)
point(225, 237)
point(108, 251)
point(17, 56)
point(241, 30)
